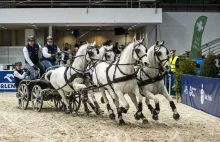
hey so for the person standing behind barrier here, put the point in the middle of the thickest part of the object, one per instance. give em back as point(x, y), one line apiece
point(30, 52)
point(174, 64)
point(49, 53)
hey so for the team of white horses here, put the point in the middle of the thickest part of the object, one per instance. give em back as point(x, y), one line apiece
point(118, 76)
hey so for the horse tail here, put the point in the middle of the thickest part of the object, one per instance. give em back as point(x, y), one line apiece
point(47, 75)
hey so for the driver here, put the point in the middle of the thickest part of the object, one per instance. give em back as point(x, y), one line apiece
point(49, 53)
point(30, 52)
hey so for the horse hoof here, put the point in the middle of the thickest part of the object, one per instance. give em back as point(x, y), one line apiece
point(67, 111)
point(74, 114)
point(88, 111)
point(102, 100)
point(124, 110)
point(155, 112)
point(100, 111)
point(176, 116)
point(112, 116)
point(155, 117)
point(137, 117)
point(121, 122)
point(145, 121)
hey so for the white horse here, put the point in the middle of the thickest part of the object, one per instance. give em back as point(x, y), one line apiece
point(106, 54)
point(120, 77)
point(69, 79)
point(151, 80)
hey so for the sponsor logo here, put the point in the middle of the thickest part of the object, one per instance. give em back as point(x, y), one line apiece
point(191, 89)
point(9, 77)
point(186, 90)
point(8, 84)
point(204, 96)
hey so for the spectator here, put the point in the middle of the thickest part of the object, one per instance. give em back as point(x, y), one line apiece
point(174, 62)
point(115, 48)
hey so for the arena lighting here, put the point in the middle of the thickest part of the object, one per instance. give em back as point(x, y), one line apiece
point(135, 25)
point(3, 27)
point(68, 29)
point(34, 25)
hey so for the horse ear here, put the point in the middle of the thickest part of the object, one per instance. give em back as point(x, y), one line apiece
point(134, 39)
point(157, 42)
point(142, 40)
point(162, 42)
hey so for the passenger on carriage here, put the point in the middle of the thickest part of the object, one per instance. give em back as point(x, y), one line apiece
point(49, 53)
point(65, 55)
point(19, 74)
point(33, 64)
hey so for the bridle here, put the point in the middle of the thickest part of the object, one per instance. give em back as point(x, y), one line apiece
point(136, 50)
point(157, 55)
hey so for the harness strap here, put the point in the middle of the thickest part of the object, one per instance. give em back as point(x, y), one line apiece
point(151, 80)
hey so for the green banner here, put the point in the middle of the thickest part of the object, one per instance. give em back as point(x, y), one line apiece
point(197, 36)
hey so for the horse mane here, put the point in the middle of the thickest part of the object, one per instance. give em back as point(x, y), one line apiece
point(80, 61)
point(127, 50)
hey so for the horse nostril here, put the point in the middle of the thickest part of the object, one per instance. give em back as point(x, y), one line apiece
point(146, 64)
point(167, 67)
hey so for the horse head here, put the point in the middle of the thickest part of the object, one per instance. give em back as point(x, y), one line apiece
point(140, 51)
point(159, 53)
point(92, 52)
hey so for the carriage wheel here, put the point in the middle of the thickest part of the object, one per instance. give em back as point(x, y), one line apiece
point(37, 98)
point(23, 96)
point(58, 104)
point(75, 102)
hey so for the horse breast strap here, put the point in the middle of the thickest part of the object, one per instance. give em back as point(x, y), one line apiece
point(150, 80)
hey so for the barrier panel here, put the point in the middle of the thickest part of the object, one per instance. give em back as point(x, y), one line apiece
point(7, 81)
point(202, 93)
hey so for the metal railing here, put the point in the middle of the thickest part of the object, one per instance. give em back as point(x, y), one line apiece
point(211, 47)
point(167, 5)
point(69, 3)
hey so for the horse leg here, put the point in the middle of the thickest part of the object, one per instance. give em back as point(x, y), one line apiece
point(98, 110)
point(85, 100)
point(110, 110)
point(138, 115)
point(134, 100)
point(176, 115)
point(62, 94)
point(122, 109)
point(77, 86)
point(156, 111)
point(111, 94)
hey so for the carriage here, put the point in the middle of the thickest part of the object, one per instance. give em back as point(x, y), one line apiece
point(39, 90)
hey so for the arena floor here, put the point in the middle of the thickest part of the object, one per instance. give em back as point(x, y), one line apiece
point(50, 125)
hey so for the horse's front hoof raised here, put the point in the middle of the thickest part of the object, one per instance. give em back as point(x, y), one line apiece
point(145, 121)
point(112, 116)
point(121, 122)
point(176, 116)
point(155, 117)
